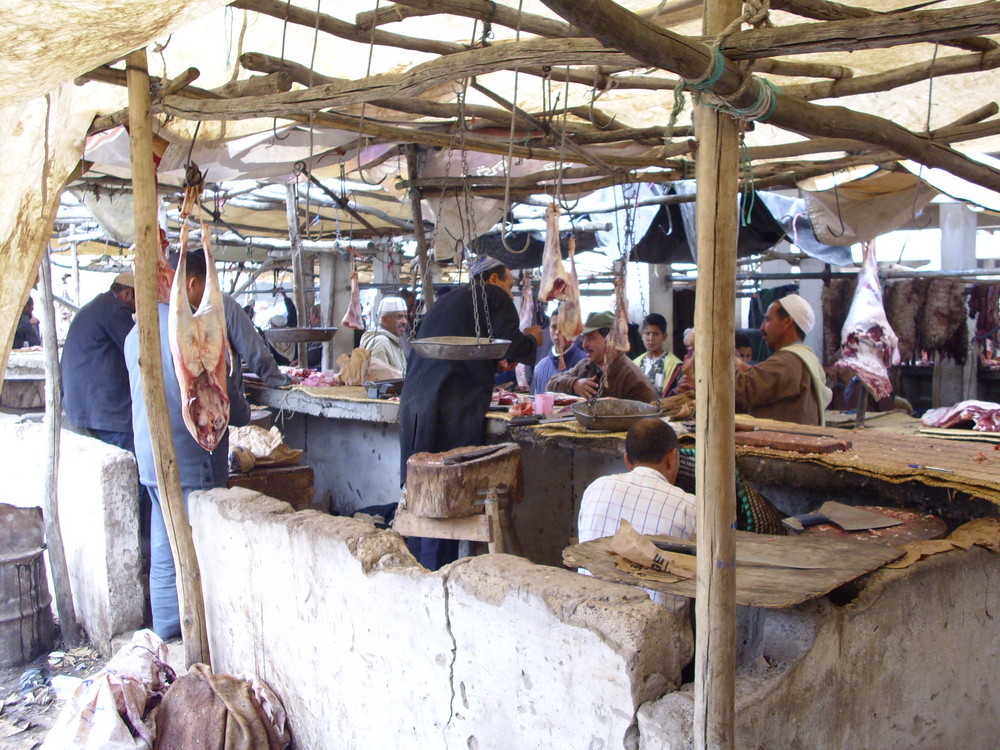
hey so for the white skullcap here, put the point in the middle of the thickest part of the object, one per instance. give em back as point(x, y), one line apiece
point(279, 321)
point(392, 305)
point(799, 310)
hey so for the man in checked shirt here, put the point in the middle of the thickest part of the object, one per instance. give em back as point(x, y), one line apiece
point(645, 496)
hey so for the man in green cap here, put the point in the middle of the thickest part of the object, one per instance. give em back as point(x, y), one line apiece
point(624, 378)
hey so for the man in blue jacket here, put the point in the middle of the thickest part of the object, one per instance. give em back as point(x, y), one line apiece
point(199, 469)
point(96, 393)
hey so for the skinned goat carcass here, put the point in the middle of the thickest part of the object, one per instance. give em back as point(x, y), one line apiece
point(557, 282)
point(618, 335)
point(868, 344)
point(352, 318)
point(199, 343)
point(526, 319)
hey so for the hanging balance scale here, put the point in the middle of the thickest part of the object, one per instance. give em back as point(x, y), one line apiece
point(476, 347)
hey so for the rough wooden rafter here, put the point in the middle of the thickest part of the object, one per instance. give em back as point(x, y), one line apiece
point(613, 25)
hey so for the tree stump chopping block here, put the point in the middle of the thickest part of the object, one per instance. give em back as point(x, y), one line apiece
point(445, 485)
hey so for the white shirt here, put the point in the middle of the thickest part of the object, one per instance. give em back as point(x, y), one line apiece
point(645, 499)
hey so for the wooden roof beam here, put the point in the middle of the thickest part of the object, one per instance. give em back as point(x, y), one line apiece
point(824, 10)
point(285, 11)
point(613, 25)
point(482, 10)
point(890, 79)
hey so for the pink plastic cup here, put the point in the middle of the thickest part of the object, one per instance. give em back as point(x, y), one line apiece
point(544, 404)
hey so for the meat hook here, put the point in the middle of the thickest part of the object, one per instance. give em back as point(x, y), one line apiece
point(840, 216)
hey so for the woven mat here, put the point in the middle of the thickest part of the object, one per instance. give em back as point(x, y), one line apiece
point(973, 468)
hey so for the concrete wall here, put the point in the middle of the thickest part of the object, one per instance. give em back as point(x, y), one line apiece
point(99, 520)
point(369, 650)
point(910, 664)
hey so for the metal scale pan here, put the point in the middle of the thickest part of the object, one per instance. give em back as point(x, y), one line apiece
point(460, 347)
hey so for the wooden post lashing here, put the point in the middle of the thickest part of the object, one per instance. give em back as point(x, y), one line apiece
point(298, 271)
point(192, 606)
point(50, 495)
point(717, 172)
point(412, 172)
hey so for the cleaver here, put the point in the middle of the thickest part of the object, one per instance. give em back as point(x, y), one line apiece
point(846, 517)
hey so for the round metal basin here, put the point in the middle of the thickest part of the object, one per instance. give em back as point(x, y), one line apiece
point(612, 414)
point(460, 347)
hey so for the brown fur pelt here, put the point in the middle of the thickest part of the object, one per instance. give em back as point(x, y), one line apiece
point(943, 327)
point(904, 303)
point(837, 297)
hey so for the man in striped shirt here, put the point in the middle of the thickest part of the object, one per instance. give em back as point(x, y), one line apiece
point(645, 496)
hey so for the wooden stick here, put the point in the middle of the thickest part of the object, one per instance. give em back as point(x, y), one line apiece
point(890, 79)
point(823, 10)
point(50, 494)
point(312, 20)
point(412, 172)
point(809, 70)
point(716, 172)
point(298, 272)
point(192, 606)
point(497, 13)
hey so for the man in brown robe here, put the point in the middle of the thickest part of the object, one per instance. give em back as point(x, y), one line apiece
point(790, 384)
point(624, 378)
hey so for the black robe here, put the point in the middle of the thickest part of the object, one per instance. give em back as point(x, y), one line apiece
point(443, 403)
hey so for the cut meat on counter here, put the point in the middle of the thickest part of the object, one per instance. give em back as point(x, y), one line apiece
point(868, 345)
point(198, 342)
point(984, 415)
point(352, 318)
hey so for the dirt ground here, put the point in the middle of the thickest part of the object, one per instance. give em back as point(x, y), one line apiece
point(26, 717)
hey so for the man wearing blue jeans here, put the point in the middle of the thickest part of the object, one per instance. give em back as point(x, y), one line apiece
point(199, 469)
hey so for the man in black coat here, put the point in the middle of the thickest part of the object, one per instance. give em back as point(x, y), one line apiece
point(443, 403)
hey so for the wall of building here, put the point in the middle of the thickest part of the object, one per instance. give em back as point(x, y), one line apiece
point(98, 517)
point(368, 650)
point(909, 664)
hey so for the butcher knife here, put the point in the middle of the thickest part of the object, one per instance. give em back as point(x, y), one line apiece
point(845, 516)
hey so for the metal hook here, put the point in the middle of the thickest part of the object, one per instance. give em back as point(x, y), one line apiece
point(840, 217)
point(503, 239)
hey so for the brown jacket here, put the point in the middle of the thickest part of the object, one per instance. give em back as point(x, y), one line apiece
point(625, 379)
point(780, 388)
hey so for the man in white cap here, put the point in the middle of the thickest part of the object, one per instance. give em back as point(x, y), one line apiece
point(790, 384)
point(384, 342)
point(95, 380)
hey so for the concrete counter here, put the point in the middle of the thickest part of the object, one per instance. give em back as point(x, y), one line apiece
point(353, 448)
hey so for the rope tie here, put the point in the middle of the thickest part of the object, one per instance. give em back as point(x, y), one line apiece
point(762, 108)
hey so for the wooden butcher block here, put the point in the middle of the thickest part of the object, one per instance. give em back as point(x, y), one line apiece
point(447, 485)
point(787, 441)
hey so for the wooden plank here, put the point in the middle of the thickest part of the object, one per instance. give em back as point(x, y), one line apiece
point(784, 441)
point(470, 528)
point(769, 586)
point(292, 484)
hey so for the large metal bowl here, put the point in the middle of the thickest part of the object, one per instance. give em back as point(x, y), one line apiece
point(612, 414)
point(298, 335)
point(460, 347)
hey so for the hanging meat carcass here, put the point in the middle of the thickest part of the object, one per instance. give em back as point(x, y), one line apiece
point(199, 344)
point(868, 345)
point(352, 318)
point(558, 283)
point(618, 335)
point(526, 320)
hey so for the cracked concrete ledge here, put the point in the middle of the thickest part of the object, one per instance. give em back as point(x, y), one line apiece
point(908, 663)
point(489, 652)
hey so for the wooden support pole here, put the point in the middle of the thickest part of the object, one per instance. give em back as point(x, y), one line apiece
point(298, 270)
point(412, 172)
point(53, 425)
point(192, 606)
point(717, 175)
